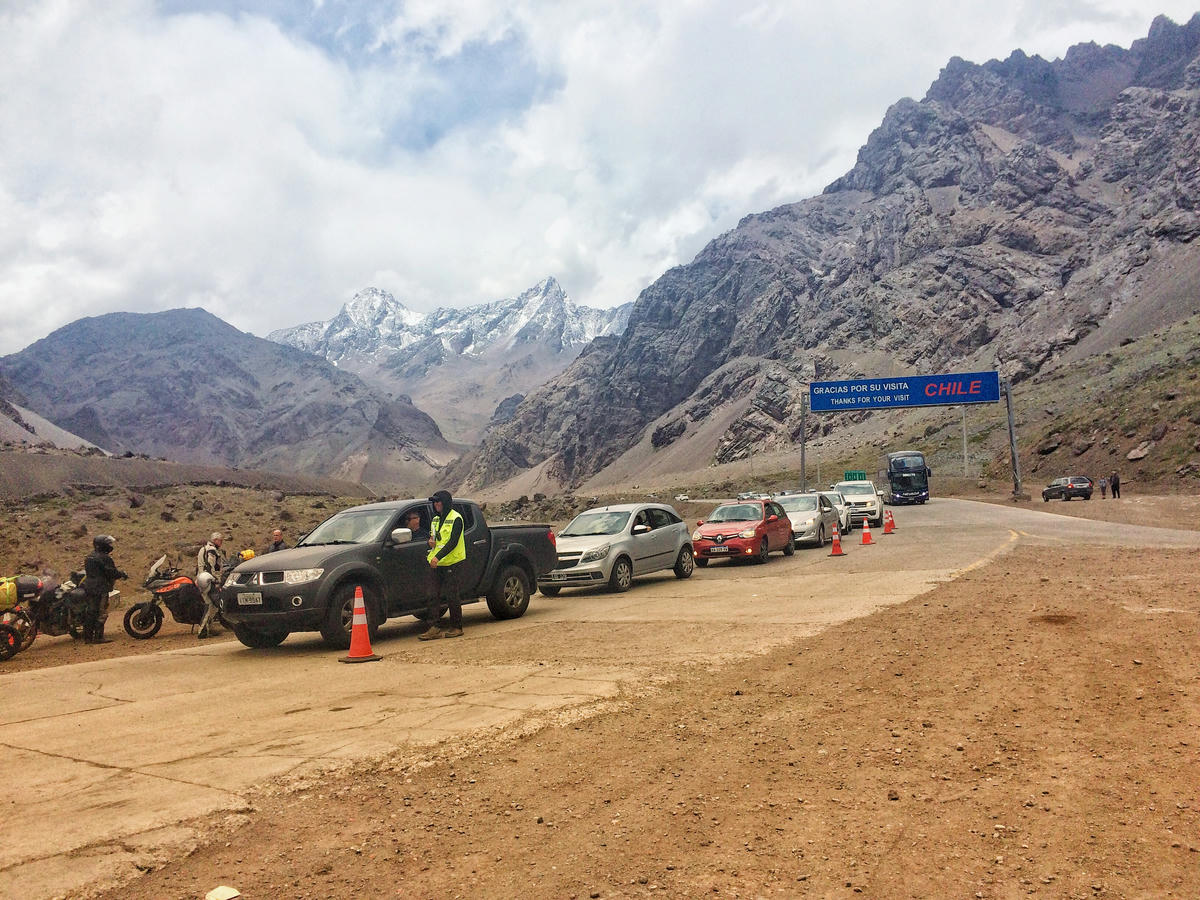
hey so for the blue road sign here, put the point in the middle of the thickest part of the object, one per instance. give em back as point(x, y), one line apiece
point(904, 390)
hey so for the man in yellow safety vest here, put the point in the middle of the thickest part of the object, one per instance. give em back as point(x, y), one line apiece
point(447, 548)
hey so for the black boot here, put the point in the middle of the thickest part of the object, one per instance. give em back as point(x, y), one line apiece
point(98, 635)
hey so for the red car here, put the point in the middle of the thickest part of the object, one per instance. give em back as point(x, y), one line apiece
point(747, 529)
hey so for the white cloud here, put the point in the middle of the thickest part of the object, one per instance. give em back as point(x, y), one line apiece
point(268, 164)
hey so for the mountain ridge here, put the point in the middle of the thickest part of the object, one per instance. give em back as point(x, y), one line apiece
point(987, 225)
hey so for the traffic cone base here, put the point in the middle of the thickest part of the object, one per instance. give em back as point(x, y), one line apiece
point(836, 549)
point(866, 532)
point(360, 633)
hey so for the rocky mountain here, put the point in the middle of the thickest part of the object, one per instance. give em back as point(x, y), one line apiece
point(186, 386)
point(20, 427)
point(460, 364)
point(1022, 213)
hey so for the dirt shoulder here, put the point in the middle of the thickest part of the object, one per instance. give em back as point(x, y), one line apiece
point(1030, 727)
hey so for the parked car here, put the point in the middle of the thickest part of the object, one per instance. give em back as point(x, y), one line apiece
point(838, 499)
point(613, 544)
point(311, 586)
point(682, 497)
point(866, 503)
point(747, 529)
point(813, 518)
point(1068, 487)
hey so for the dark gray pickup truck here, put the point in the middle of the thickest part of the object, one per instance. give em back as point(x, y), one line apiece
point(311, 586)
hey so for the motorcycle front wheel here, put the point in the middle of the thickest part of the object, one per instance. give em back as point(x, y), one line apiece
point(143, 620)
point(10, 642)
point(22, 623)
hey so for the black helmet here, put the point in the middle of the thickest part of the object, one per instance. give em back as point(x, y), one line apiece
point(104, 542)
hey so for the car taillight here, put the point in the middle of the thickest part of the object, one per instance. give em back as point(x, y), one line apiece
point(553, 539)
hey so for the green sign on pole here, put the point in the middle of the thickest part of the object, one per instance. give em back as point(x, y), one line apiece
point(854, 475)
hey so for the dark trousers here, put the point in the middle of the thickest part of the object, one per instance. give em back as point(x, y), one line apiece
point(1116, 490)
point(447, 593)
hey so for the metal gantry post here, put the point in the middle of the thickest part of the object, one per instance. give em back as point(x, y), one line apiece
point(803, 440)
point(1012, 438)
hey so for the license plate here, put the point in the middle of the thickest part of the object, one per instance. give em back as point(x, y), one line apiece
point(557, 576)
point(250, 598)
point(718, 549)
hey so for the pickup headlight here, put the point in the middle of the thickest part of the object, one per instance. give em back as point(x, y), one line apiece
point(299, 576)
point(595, 553)
point(748, 533)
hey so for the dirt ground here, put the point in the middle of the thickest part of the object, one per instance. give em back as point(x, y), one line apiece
point(1030, 728)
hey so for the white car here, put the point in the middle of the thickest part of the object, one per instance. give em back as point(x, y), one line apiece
point(845, 523)
point(613, 544)
point(866, 503)
point(682, 497)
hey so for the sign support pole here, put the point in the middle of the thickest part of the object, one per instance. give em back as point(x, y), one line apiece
point(1012, 439)
point(803, 440)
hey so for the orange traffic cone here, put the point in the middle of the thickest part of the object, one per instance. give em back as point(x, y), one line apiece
point(360, 634)
point(836, 549)
point(889, 522)
point(866, 532)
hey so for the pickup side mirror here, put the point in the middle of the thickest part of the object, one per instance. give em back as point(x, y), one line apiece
point(640, 529)
point(400, 535)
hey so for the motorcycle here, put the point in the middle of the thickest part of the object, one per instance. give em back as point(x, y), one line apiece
point(178, 593)
point(41, 606)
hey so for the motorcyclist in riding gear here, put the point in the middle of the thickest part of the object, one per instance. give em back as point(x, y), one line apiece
point(209, 563)
point(101, 573)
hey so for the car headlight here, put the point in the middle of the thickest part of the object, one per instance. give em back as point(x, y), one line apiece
point(807, 523)
point(596, 553)
point(697, 536)
point(299, 576)
point(748, 533)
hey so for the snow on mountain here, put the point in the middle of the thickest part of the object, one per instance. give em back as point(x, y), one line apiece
point(374, 325)
point(462, 362)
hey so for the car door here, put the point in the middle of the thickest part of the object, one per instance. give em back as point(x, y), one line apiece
point(641, 542)
point(406, 575)
point(478, 541)
point(828, 514)
point(666, 539)
point(779, 532)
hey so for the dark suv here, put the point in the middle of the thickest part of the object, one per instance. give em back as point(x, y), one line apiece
point(1066, 488)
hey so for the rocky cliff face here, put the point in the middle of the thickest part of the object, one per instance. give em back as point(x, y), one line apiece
point(186, 386)
point(458, 363)
point(997, 222)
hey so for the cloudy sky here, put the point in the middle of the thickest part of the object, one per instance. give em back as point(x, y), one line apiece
point(266, 159)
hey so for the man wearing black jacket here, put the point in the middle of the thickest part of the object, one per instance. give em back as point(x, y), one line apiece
point(101, 573)
point(447, 548)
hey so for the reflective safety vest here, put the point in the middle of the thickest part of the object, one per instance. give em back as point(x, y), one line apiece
point(459, 552)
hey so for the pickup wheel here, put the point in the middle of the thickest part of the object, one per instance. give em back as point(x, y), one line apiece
point(685, 565)
point(621, 578)
point(339, 618)
point(550, 590)
point(509, 596)
point(259, 640)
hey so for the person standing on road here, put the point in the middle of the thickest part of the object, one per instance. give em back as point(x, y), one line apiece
point(277, 542)
point(100, 573)
point(1114, 482)
point(447, 548)
point(1103, 487)
point(209, 563)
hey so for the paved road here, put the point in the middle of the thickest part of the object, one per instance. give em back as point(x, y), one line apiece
point(118, 754)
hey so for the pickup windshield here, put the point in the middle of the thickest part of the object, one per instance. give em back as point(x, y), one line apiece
point(595, 523)
point(857, 487)
point(737, 512)
point(351, 527)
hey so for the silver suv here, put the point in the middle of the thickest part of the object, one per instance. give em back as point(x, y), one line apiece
point(864, 501)
point(612, 544)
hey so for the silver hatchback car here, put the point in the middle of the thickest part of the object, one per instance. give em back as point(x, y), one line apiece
point(612, 544)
